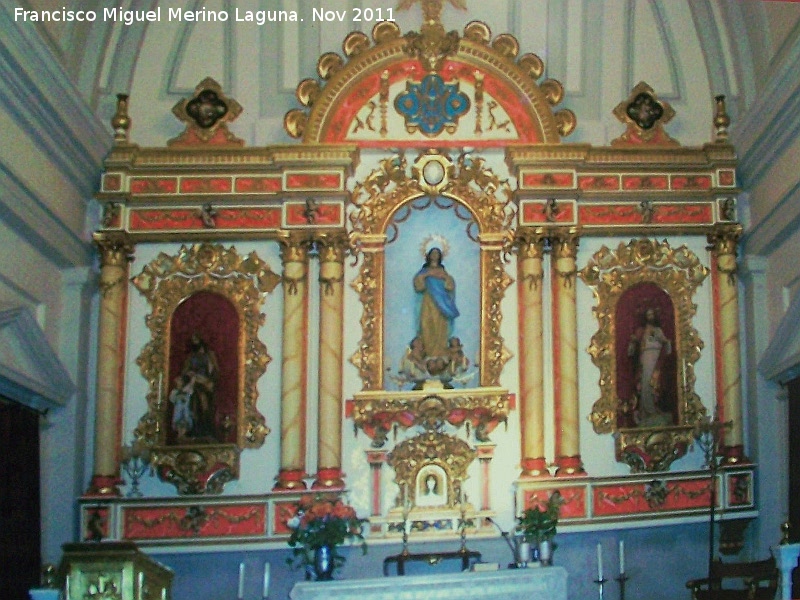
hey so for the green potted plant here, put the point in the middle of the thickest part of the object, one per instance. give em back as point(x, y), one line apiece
point(538, 526)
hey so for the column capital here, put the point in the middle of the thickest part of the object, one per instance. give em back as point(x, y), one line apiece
point(724, 239)
point(332, 247)
point(294, 248)
point(565, 241)
point(530, 242)
point(116, 249)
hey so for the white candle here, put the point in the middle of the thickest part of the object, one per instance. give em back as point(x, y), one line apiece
point(525, 552)
point(241, 581)
point(621, 557)
point(265, 591)
point(599, 562)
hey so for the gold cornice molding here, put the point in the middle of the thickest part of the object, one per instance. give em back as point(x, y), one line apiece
point(584, 154)
point(133, 157)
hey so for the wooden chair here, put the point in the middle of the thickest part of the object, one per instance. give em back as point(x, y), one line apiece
point(737, 581)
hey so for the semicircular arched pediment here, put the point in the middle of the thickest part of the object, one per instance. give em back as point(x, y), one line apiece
point(408, 90)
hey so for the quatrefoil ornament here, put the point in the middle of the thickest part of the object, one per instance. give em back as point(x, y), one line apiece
point(645, 115)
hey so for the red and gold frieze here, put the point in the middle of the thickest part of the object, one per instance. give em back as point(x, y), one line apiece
point(217, 521)
point(650, 497)
point(645, 182)
point(679, 495)
point(544, 212)
point(726, 177)
point(651, 214)
point(188, 219)
point(691, 182)
point(313, 214)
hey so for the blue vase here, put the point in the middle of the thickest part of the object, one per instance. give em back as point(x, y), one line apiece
point(324, 563)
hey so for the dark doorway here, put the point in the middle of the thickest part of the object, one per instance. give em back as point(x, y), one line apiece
point(20, 522)
point(794, 472)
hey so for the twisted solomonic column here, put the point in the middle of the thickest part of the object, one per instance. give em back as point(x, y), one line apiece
point(723, 242)
point(565, 352)
point(530, 274)
point(294, 254)
point(329, 429)
point(115, 255)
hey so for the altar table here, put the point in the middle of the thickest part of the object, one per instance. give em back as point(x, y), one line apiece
point(544, 583)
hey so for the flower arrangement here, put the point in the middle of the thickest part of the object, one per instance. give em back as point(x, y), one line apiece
point(539, 525)
point(321, 521)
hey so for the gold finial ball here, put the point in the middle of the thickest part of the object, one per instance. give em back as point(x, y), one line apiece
point(121, 122)
point(785, 528)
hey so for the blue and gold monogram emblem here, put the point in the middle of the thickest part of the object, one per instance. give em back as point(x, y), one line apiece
point(432, 105)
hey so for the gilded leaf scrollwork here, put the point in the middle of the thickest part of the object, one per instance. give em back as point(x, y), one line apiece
point(448, 452)
point(167, 282)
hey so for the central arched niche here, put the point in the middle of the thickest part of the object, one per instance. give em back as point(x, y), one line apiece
point(399, 213)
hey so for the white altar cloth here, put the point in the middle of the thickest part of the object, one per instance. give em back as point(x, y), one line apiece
point(545, 583)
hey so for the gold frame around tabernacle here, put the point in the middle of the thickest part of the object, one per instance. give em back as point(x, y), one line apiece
point(378, 197)
point(679, 273)
point(166, 282)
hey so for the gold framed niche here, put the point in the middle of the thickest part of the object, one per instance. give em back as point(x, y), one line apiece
point(646, 348)
point(203, 363)
point(470, 184)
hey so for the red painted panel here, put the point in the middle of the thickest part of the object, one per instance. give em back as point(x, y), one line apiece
point(222, 520)
point(249, 185)
point(112, 182)
point(604, 214)
point(314, 181)
point(727, 177)
point(534, 212)
point(644, 498)
point(185, 219)
point(283, 512)
point(547, 180)
point(691, 182)
point(206, 185)
point(598, 182)
point(574, 506)
point(154, 185)
point(645, 182)
point(297, 214)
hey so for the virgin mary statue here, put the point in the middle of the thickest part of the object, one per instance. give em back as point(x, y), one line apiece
point(437, 308)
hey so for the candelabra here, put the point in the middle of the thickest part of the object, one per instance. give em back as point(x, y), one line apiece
point(135, 464)
point(709, 436)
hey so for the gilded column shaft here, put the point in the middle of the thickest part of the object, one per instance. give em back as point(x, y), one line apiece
point(114, 258)
point(329, 439)
point(293, 385)
point(565, 246)
point(531, 275)
point(724, 244)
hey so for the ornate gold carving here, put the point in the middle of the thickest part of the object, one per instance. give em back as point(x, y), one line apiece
point(432, 45)
point(116, 249)
point(198, 469)
point(368, 359)
point(206, 115)
point(380, 195)
point(721, 119)
point(677, 271)
point(652, 448)
point(723, 242)
point(166, 282)
point(377, 412)
point(645, 116)
point(450, 453)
